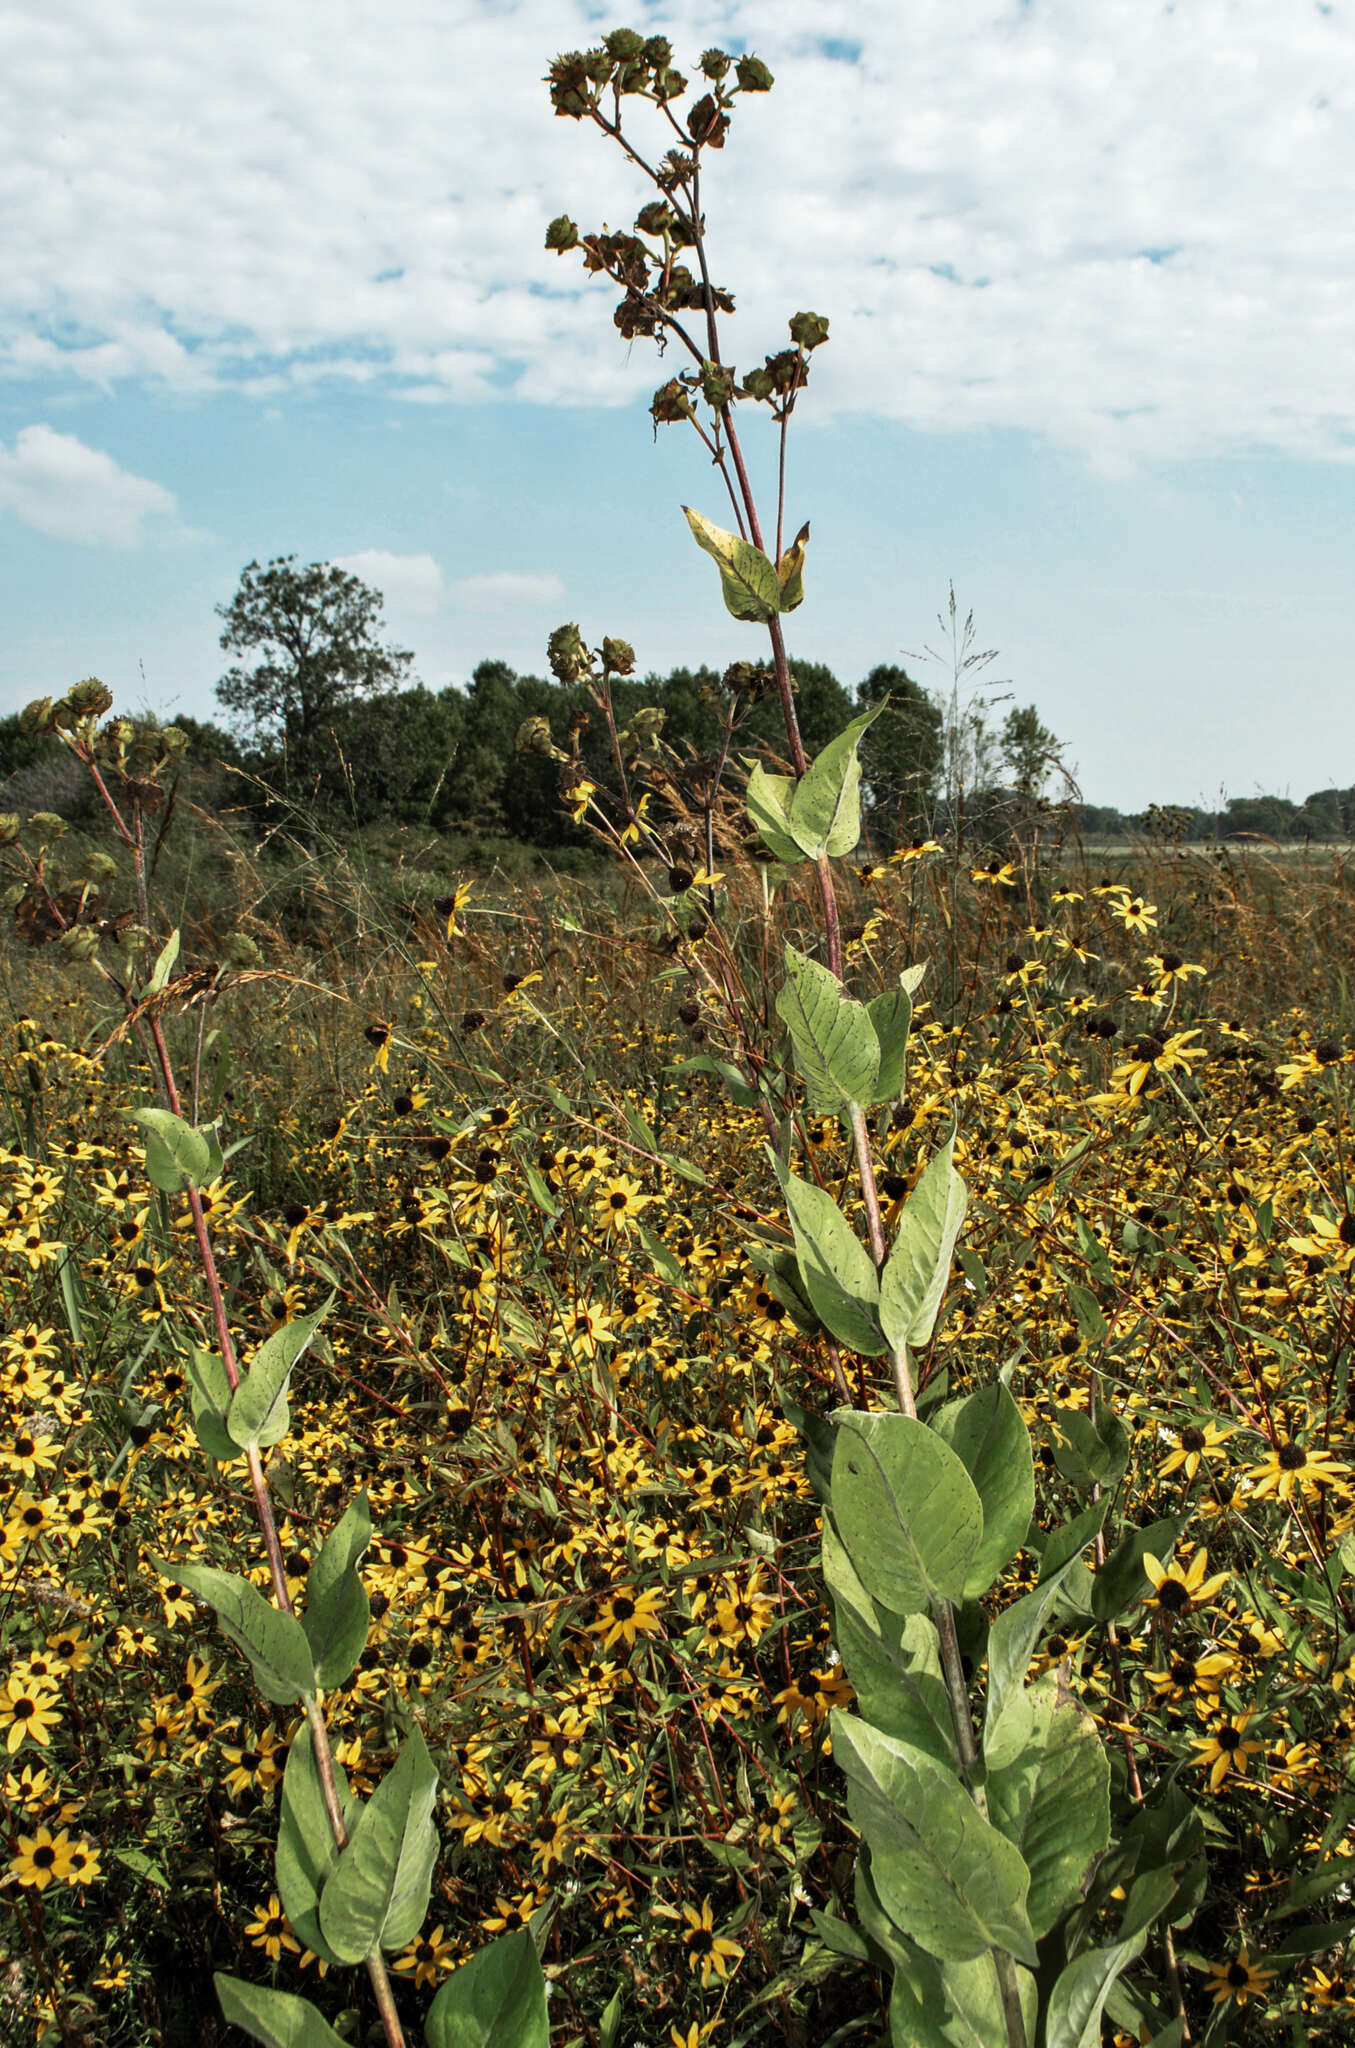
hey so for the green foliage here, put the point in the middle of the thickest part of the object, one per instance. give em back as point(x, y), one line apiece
point(496, 2000)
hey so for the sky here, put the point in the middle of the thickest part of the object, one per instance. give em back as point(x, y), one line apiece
point(275, 283)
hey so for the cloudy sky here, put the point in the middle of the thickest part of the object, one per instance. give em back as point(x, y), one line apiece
point(274, 283)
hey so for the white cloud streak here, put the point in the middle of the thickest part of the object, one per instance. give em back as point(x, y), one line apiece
point(411, 582)
point(57, 485)
point(1125, 228)
point(504, 590)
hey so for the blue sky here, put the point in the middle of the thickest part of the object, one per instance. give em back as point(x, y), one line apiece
point(276, 284)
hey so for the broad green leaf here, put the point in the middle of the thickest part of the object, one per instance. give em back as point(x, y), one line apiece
point(1122, 1582)
point(769, 799)
point(1087, 1311)
point(1052, 1800)
point(496, 2000)
point(307, 1853)
point(988, 1434)
point(723, 1070)
point(210, 1393)
point(790, 571)
point(176, 1154)
point(164, 965)
point(836, 1049)
point(1072, 1538)
point(274, 1642)
point(905, 1508)
point(840, 1936)
point(747, 579)
point(276, 2018)
point(825, 812)
point(818, 1438)
point(1011, 1644)
point(942, 1873)
point(1073, 2016)
point(258, 1412)
point(892, 1660)
point(1090, 1453)
point(379, 1891)
point(959, 2006)
point(338, 1612)
point(891, 1016)
point(834, 1265)
point(915, 1275)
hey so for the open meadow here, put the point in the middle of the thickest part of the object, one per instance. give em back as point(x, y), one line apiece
point(592, 1437)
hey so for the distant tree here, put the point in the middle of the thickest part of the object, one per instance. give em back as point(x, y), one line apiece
point(901, 753)
point(1270, 817)
point(314, 629)
point(1030, 751)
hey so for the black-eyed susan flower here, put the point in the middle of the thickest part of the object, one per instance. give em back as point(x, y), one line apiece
point(708, 1954)
point(428, 1957)
point(1177, 1592)
point(41, 1859)
point(1289, 1467)
point(1195, 1445)
point(1239, 1979)
point(270, 1931)
point(626, 1613)
point(28, 1713)
point(1225, 1750)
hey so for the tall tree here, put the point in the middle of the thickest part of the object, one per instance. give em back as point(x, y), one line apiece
point(901, 752)
point(314, 630)
point(1030, 751)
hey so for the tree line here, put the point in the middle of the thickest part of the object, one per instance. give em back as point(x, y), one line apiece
point(324, 716)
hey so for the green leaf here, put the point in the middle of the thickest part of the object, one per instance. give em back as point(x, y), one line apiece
point(1052, 1800)
point(379, 1892)
point(892, 1660)
point(1122, 1582)
point(609, 2020)
point(819, 1438)
point(723, 1070)
point(825, 812)
point(276, 2018)
point(836, 1049)
point(1073, 2017)
point(988, 1434)
point(790, 572)
point(1072, 1538)
point(496, 2000)
point(942, 1873)
point(338, 1612)
point(769, 799)
point(307, 1853)
point(176, 1154)
point(164, 964)
point(915, 1276)
point(258, 1412)
point(274, 1642)
point(958, 2006)
point(748, 581)
point(891, 1017)
point(211, 1392)
point(834, 1265)
point(905, 1508)
point(1087, 1311)
point(1091, 1453)
point(840, 1936)
point(1011, 1644)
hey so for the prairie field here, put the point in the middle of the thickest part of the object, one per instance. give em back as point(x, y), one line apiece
point(487, 1128)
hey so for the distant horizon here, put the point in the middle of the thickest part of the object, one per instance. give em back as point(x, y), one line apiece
point(1105, 385)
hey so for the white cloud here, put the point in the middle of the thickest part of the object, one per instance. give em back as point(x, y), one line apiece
point(505, 590)
point(1123, 228)
point(411, 582)
point(55, 483)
